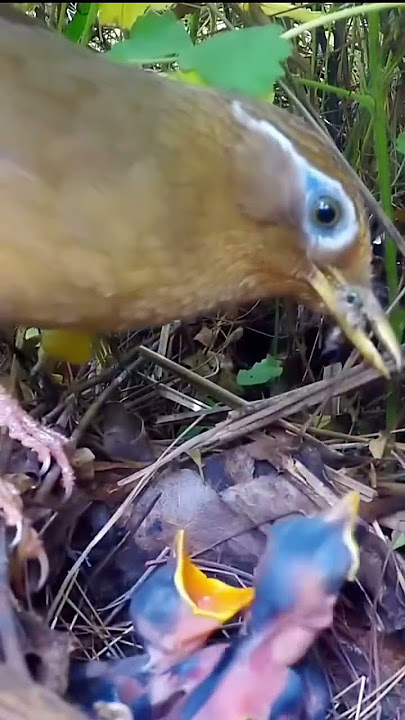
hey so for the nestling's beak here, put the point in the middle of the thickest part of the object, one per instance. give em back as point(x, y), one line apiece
point(207, 596)
point(345, 514)
point(353, 307)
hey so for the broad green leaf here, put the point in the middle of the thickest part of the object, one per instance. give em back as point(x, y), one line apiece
point(245, 61)
point(153, 38)
point(123, 15)
point(74, 29)
point(401, 143)
point(261, 373)
point(289, 10)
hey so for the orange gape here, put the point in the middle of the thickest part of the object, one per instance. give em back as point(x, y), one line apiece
point(127, 199)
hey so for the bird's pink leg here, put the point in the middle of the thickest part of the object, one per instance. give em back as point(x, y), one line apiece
point(46, 443)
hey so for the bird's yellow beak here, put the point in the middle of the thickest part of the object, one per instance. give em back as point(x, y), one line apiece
point(353, 307)
point(208, 597)
point(345, 514)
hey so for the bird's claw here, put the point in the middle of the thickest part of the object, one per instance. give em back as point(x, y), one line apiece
point(45, 442)
point(46, 464)
point(43, 563)
point(49, 445)
point(17, 535)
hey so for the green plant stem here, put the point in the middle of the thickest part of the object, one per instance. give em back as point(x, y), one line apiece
point(61, 18)
point(194, 23)
point(381, 148)
point(274, 343)
point(90, 21)
point(364, 100)
point(328, 18)
point(168, 60)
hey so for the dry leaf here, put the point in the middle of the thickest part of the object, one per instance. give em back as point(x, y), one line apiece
point(377, 446)
point(205, 336)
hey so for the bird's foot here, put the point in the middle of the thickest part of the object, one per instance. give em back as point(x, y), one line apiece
point(45, 442)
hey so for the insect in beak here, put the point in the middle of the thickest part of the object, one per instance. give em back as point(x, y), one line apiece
point(353, 307)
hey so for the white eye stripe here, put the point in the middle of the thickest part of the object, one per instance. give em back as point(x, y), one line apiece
point(314, 185)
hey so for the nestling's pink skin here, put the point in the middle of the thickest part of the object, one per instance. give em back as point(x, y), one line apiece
point(266, 673)
point(178, 608)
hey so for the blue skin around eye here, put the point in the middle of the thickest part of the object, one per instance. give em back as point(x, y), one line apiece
point(294, 543)
point(317, 186)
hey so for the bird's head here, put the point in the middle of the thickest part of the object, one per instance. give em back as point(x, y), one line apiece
point(178, 607)
point(304, 209)
point(300, 575)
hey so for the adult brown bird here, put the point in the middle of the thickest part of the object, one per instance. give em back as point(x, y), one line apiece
point(127, 199)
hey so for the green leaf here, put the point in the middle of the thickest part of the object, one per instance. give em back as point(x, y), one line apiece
point(398, 322)
point(189, 434)
point(74, 30)
point(400, 541)
point(244, 61)
point(401, 143)
point(153, 36)
point(261, 373)
point(123, 15)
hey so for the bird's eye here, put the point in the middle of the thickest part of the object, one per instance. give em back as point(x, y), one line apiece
point(329, 221)
point(326, 212)
point(352, 297)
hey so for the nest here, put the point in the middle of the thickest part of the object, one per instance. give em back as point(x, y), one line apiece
point(161, 440)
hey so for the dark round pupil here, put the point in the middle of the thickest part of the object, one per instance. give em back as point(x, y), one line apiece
point(352, 297)
point(326, 211)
